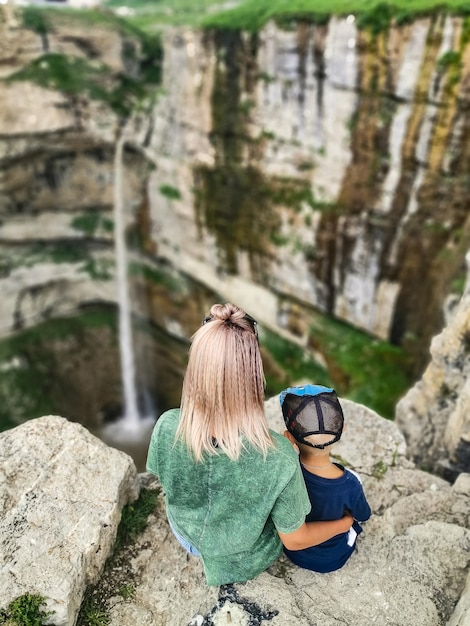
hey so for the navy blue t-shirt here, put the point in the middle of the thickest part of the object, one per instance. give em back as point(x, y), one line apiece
point(330, 497)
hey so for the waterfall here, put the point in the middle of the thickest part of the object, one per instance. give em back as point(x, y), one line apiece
point(131, 412)
point(131, 432)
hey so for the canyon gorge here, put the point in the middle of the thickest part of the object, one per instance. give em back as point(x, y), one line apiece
point(315, 174)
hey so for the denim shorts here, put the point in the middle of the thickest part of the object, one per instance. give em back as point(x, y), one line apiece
point(186, 545)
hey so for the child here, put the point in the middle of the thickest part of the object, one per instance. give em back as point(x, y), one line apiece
point(314, 421)
point(233, 488)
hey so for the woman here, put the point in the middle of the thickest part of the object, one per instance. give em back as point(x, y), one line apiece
point(233, 488)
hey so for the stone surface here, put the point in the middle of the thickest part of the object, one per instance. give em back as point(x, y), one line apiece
point(409, 568)
point(461, 615)
point(61, 495)
point(18, 101)
point(434, 414)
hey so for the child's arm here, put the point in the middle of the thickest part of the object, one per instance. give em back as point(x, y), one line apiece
point(313, 533)
point(361, 510)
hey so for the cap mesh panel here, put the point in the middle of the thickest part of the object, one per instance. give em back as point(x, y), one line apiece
point(307, 415)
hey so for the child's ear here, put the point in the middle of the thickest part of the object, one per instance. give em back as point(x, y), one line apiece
point(289, 436)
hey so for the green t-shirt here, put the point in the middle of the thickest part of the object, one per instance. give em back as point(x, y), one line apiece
point(229, 510)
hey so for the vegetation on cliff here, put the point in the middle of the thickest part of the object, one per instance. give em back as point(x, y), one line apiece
point(117, 582)
point(252, 15)
point(77, 75)
point(49, 20)
point(237, 202)
point(35, 378)
point(26, 610)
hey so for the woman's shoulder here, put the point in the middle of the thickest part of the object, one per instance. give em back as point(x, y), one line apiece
point(167, 422)
point(172, 415)
point(162, 436)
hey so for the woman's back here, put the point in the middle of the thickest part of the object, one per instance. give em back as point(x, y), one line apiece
point(229, 509)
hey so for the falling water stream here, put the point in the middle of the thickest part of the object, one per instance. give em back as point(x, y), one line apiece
point(131, 417)
point(131, 432)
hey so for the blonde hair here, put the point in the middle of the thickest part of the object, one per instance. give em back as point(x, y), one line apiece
point(223, 388)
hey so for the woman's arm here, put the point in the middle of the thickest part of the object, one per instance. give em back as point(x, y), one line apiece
point(313, 533)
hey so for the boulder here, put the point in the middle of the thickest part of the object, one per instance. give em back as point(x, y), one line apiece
point(61, 495)
point(461, 615)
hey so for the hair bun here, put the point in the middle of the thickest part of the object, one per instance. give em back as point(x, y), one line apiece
point(226, 312)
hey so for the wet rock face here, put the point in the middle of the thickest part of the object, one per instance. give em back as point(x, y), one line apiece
point(56, 165)
point(344, 149)
point(322, 152)
point(57, 261)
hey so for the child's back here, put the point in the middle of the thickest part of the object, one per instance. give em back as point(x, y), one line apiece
point(314, 420)
point(330, 495)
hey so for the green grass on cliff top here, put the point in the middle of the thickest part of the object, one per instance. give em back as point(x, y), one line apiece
point(253, 14)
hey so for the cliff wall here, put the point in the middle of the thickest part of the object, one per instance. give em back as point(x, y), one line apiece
point(68, 83)
point(300, 169)
point(434, 413)
point(321, 165)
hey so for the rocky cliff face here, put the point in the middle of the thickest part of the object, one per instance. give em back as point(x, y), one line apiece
point(322, 165)
point(314, 167)
point(434, 414)
point(68, 82)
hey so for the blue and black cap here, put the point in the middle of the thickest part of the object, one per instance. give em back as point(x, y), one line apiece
point(312, 410)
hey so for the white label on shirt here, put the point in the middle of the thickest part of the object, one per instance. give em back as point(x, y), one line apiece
point(352, 537)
